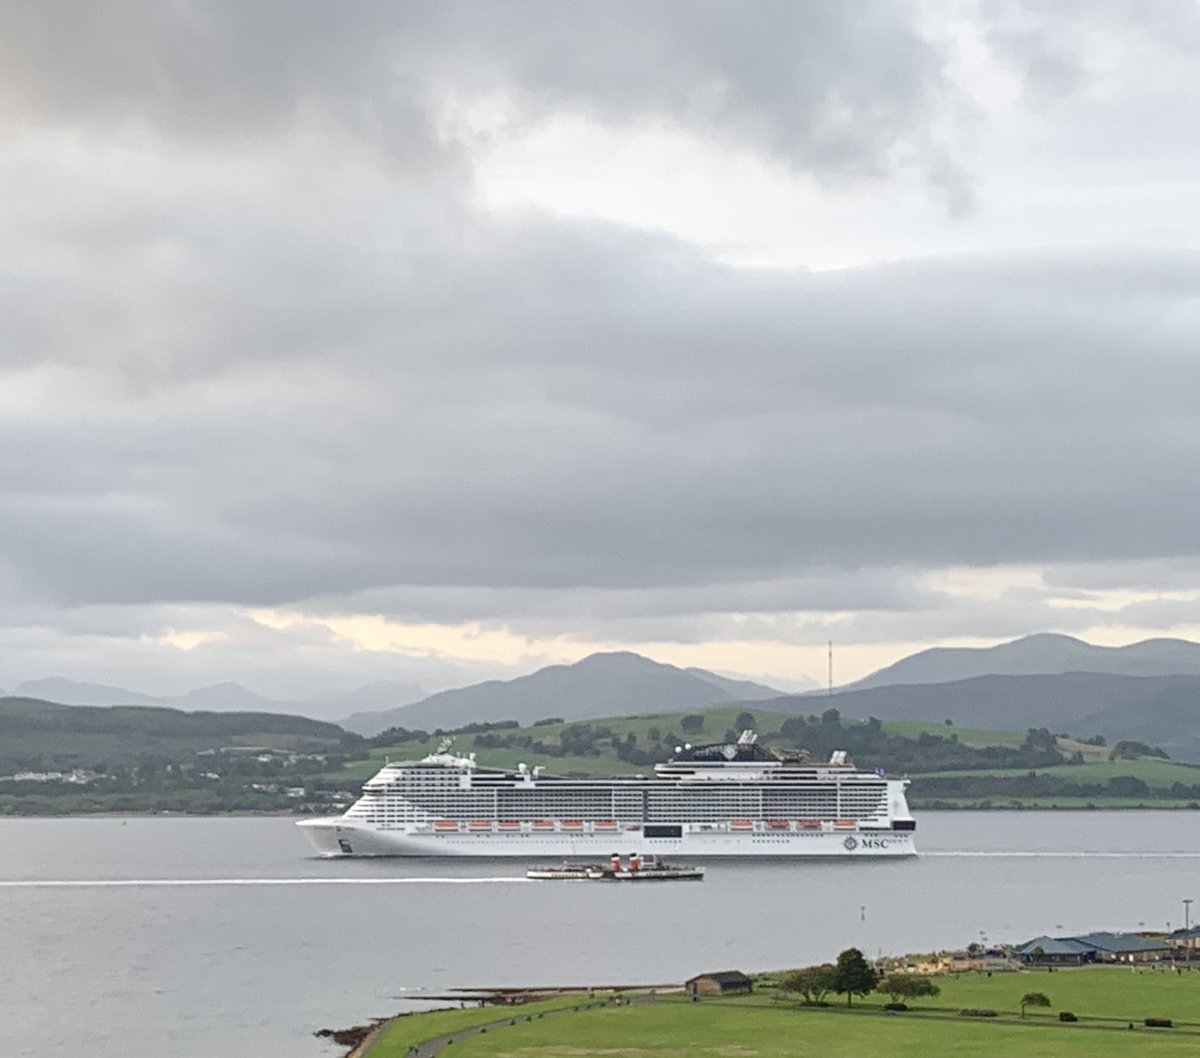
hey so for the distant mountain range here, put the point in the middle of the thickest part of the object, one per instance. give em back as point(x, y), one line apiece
point(1044, 654)
point(1147, 691)
point(1159, 710)
point(224, 697)
point(616, 684)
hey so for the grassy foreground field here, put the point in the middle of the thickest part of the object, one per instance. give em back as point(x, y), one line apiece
point(760, 1026)
point(719, 1029)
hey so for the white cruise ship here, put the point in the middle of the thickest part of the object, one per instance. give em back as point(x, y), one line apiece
point(735, 799)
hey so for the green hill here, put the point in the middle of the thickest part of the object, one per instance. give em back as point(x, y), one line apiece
point(950, 766)
point(39, 734)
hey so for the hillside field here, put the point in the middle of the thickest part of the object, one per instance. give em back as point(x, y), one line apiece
point(1159, 775)
point(1152, 771)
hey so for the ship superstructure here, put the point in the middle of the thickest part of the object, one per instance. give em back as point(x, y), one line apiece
point(731, 799)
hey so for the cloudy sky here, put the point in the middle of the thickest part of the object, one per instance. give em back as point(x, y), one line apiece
point(429, 341)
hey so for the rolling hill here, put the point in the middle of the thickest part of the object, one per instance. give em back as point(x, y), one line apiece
point(1038, 655)
point(1160, 710)
point(35, 733)
point(600, 685)
point(222, 697)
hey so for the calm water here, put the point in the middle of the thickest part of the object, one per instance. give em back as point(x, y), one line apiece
point(258, 944)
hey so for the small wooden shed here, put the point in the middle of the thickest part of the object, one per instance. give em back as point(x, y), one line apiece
point(721, 983)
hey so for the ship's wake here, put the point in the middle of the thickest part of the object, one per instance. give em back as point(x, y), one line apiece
point(146, 883)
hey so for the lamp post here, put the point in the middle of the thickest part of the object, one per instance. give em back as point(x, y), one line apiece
point(1187, 921)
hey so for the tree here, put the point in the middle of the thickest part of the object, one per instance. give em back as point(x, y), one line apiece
point(812, 982)
point(853, 976)
point(908, 986)
point(1034, 999)
point(744, 720)
point(692, 723)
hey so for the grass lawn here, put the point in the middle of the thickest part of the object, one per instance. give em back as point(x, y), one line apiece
point(1099, 992)
point(1104, 999)
point(723, 1029)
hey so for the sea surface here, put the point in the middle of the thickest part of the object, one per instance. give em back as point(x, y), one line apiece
point(206, 938)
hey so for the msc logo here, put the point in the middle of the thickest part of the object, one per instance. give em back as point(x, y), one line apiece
point(850, 844)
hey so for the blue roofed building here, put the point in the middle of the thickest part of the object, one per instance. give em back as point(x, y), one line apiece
point(1098, 947)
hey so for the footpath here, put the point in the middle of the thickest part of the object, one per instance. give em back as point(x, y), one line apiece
point(430, 1048)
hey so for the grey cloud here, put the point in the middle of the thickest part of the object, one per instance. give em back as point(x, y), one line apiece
point(606, 609)
point(580, 406)
point(826, 88)
point(1162, 574)
point(258, 348)
point(112, 645)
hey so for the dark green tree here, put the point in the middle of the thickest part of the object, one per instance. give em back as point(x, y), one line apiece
point(811, 982)
point(908, 986)
point(1034, 999)
point(854, 977)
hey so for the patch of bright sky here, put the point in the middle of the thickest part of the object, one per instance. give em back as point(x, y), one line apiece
point(989, 582)
point(792, 665)
point(1071, 167)
point(183, 639)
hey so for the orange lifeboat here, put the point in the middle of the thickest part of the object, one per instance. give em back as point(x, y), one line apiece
point(446, 824)
point(480, 824)
point(778, 824)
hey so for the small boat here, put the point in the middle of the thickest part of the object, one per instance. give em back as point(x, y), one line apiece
point(741, 824)
point(543, 824)
point(845, 824)
point(649, 869)
point(480, 824)
point(446, 824)
point(605, 824)
point(509, 824)
point(571, 824)
point(808, 824)
point(778, 824)
point(566, 872)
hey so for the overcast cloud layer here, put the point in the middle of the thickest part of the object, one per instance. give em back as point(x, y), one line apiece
point(343, 342)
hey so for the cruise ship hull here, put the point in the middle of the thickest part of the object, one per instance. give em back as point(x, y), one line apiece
point(335, 836)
